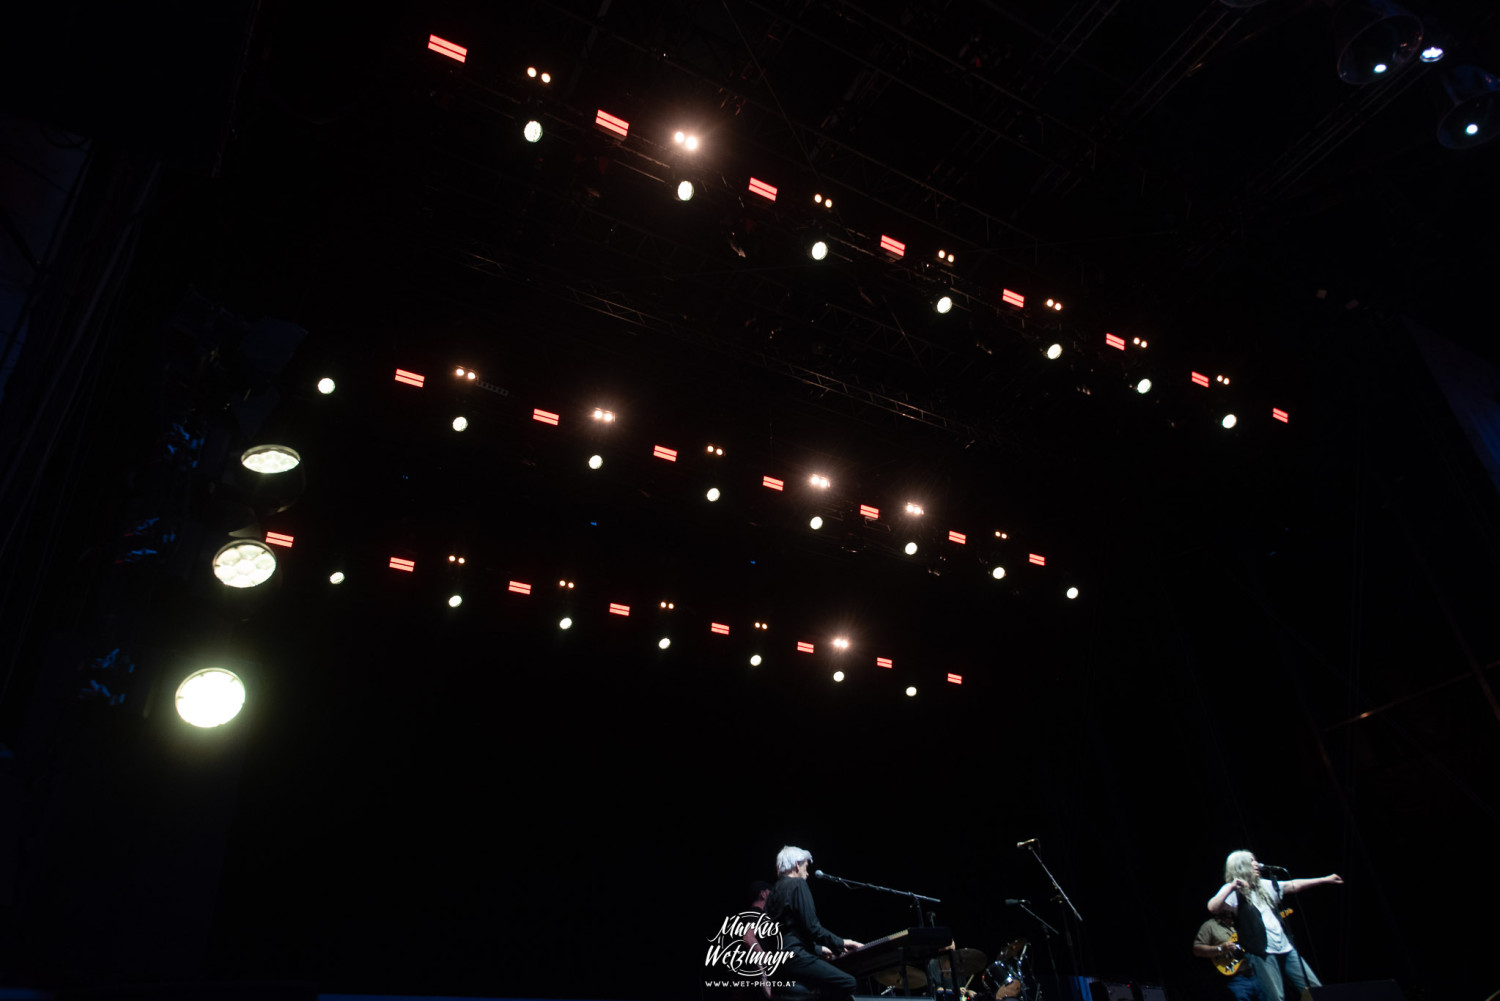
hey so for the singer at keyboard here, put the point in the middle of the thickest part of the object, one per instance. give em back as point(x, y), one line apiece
point(811, 945)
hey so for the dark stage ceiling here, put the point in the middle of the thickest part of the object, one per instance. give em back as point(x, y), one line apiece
point(1284, 633)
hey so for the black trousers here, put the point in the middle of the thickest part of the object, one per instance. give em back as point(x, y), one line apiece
point(819, 973)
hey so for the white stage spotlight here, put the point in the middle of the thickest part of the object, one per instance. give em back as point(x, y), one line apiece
point(818, 251)
point(1072, 592)
point(455, 601)
point(664, 642)
point(713, 494)
point(270, 459)
point(816, 523)
point(998, 573)
point(1054, 352)
point(838, 675)
point(337, 577)
point(325, 386)
point(565, 623)
point(755, 660)
point(460, 423)
point(911, 691)
point(244, 563)
point(533, 131)
point(210, 697)
point(1143, 387)
point(1229, 421)
point(684, 191)
point(911, 549)
point(595, 461)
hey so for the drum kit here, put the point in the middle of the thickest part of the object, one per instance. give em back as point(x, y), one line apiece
point(1004, 977)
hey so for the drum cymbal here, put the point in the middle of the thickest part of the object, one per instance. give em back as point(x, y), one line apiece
point(915, 978)
point(969, 962)
point(1012, 952)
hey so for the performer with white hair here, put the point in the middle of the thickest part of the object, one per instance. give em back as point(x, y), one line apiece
point(790, 904)
point(1268, 948)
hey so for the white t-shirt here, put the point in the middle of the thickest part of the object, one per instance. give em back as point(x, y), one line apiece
point(1276, 940)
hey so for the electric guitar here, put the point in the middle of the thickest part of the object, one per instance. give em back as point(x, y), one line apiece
point(1230, 965)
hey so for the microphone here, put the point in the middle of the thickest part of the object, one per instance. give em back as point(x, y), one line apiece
point(1012, 901)
point(1274, 871)
point(1030, 843)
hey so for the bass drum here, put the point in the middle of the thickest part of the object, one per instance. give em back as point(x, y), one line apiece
point(1001, 980)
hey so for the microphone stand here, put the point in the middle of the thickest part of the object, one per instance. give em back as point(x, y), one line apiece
point(916, 899)
point(1061, 895)
point(1048, 931)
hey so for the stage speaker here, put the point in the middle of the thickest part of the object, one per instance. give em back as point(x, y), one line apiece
point(1369, 990)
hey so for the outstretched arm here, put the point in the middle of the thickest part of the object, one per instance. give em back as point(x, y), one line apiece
point(1219, 902)
point(1298, 885)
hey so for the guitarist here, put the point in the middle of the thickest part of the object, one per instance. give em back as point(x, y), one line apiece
point(1253, 902)
point(1217, 941)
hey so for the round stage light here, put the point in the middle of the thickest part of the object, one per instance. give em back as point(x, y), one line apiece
point(838, 675)
point(816, 523)
point(1072, 592)
point(459, 423)
point(911, 690)
point(565, 623)
point(337, 577)
point(818, 251)
point(678, 137)
point(755, 660)
point(1143, 387)
point(911, 549)
point(1432, 53)
point(595, 461)
point(685, 191)
point(244, 563)
point(546, 78)
point(455, 601)
point(1471, 129)
point(325, 385)
point(270, 459)
point(998, 573)
point(210, 697)
point(713, 494)
point(1229, 421)
point(532, 131)
point(531, 72)
point(1380, 67)
point(944, 304)
point(1054, 352)
point(691, 142)
point(664, 642)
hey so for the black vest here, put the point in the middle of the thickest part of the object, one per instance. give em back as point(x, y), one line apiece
point(1250, 925)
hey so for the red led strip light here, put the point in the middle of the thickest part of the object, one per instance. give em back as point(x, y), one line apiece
point(894, 246)
point(1114, 342)
point(1040, 561)
point(546, 417)
point(957, 537)
point(277, 539)
point(410, 378)
point(804, 647)
point(873, 513)
point(766, 191)
point(955, 679)
point(610, 123)
point(450, 49)
point(397, 563)
point(718, 628)
point(772, 482)
point(616, 609)
point(1279, 414)
point(1199, 379)
point(882, 662)
point(663, 452)
point(520, 588)
point(1012, 298)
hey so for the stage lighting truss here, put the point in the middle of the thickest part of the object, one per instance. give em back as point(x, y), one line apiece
point(244, 563)
point(270, 459)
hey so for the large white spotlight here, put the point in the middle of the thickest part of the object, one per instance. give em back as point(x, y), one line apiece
point(1432, 53)
point(337, 577)
point(838, 675)
point(459, 423)
point(210, 697)
point(685, 191)
point(455, 601)
point(998, 573)
point(911, 549)
point(944, 304)
point(664, 642)
point(818, 251)
point(1143, 387)
point(911, 690)
point(755, 660)
point(270, 459)
point(1072, 592)
point(565, 623)
point(1229, 421)
point(713, 494)
point(816, 523)
point(1054, 352)
point(532, 131)
point(595, 461)
point(325, 386)
point(244, 563)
